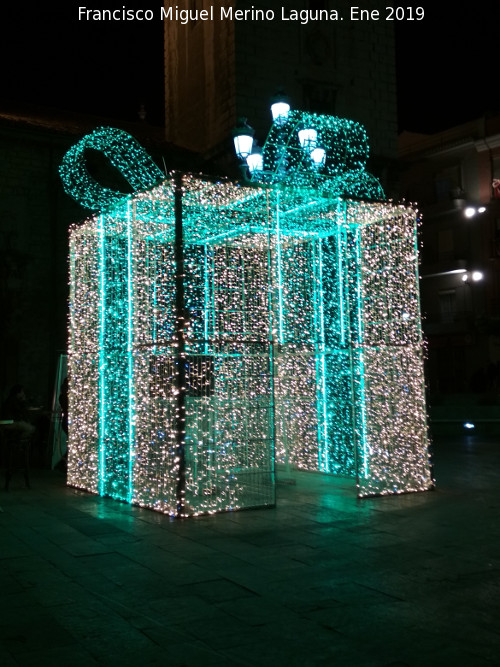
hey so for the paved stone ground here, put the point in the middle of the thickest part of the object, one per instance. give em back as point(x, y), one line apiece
point(323, 579)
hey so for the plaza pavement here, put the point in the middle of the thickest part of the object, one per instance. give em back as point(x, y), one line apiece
point(322, 579)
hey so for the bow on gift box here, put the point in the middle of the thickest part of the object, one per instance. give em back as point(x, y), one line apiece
point(124, 153)
point(303, 149)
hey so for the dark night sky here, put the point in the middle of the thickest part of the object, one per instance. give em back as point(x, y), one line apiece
point(107, 69)
point(447, 69)
point(446, 64)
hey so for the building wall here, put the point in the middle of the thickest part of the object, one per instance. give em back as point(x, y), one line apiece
point(445, 173)
point(217, 71)
point(35, 215)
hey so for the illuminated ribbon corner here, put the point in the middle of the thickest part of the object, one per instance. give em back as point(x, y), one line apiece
point(357, 184)
point(124, 153)
point(346, 148)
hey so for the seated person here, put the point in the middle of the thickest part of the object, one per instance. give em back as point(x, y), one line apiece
point(15, 407)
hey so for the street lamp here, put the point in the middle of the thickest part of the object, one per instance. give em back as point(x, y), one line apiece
point(475, 276)
point(252, 156)
point(303, 147)
point(280, 108)
point(318, 156)
point(243, 139)
point(255, 160)
point(471, 211)
point(308, 138)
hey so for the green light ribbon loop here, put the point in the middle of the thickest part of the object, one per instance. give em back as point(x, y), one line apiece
point(124, 153)
point(346, 146)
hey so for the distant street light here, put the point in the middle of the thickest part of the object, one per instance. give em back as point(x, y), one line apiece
point(471, 211)
point(475, 276)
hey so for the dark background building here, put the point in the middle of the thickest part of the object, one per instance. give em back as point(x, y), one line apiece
point(454, 176)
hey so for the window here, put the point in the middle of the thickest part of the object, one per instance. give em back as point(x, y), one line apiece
point(447, 305)
point(445, 244)
point(447, 183)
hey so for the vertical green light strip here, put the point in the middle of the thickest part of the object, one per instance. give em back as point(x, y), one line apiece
point(417, 281)
point(362, 396)
point(340, 279)
point(212, 302)
point(272, 407)
point(279, 269)
point(154, 325)
point(323, 450)
point(130, 353)
point(102, 358)
point(206, 299)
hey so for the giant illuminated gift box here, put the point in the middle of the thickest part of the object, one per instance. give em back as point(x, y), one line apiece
point(219, 332)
